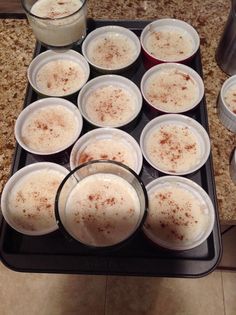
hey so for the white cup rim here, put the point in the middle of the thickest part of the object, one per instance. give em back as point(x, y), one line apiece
point(44, 103)
point(194, 188)
point(185, 69)
point(111, 28)
point(11, 182)
point(197, 129)
point(169, 22)
point(108, 79)
point(107, 133)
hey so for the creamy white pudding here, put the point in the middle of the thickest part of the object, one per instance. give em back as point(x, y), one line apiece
point(107, 144)
point(59, 22)
point(102, 210)
point(110, 105)
point(169, 43)
point(114, 149)
point(60, 77)
point(49, 129)
point(31, 200)
point(171, 90)
point(55, 8)
point(111, 50)
point(178, 215)
point(173, 148)
point(230, 98)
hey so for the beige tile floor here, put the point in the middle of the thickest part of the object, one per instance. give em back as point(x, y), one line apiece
point(45, 294)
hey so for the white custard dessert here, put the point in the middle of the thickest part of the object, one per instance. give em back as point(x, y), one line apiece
point(102, 210)
point(60, 77)
point(114, 149)
point(31, 200)
point(169, 43)
point(110, 105)
point(171, 90)
point(179, 216)
point(230, 98)
point(62, 22)
point(173, 148)
point(111, 51)
point(55, 8)
point(107, 144)
point(49, 129)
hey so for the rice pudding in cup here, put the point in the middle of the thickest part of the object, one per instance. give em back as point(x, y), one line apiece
point(57, 24)
point(180, 215)
point(175, 144)
point(110, 101)
point(28, 198)
point(107, 144)
point(106, 206)
point(169, 40)
point(111, 48)
point(227, 104)
point(48, 126)
point(172, 88)
point(58, 74)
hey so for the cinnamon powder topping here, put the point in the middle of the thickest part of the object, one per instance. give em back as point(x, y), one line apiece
point(173, 148)
point(175, 214)
point(110, 106)
point(171, 90)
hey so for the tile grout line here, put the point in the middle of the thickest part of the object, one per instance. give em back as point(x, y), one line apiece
point(105, 302)
point(223, 292)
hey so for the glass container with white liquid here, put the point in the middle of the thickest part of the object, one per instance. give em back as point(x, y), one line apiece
point(57, 24)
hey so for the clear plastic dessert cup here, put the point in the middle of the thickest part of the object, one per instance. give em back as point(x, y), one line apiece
point(180, 216)
point(48, 126)
point(28, 198)
point(57, 24)
point(111, 49)
point(110, 101)
point(58, 74)
point(105, 208)
point(169, 40)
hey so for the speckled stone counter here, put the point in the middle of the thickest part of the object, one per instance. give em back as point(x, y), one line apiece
point(208, 17)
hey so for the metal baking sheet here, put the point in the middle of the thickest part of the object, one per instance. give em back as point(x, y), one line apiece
point(53, 253)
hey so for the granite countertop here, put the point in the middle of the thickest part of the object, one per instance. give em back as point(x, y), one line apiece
point(208, 17)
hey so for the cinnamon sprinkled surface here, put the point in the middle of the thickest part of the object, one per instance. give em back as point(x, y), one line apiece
point(173, 148)
point(110, 105)
point(111, 50)
point(169, 43)
point(55, 8)
point(60, 77)
point(171, 90)
point(49, 128)
point(103, 209)
point(107, 149)
point(176, 215)
point(31, 200)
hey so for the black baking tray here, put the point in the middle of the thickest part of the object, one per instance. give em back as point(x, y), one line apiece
point(53, 253)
